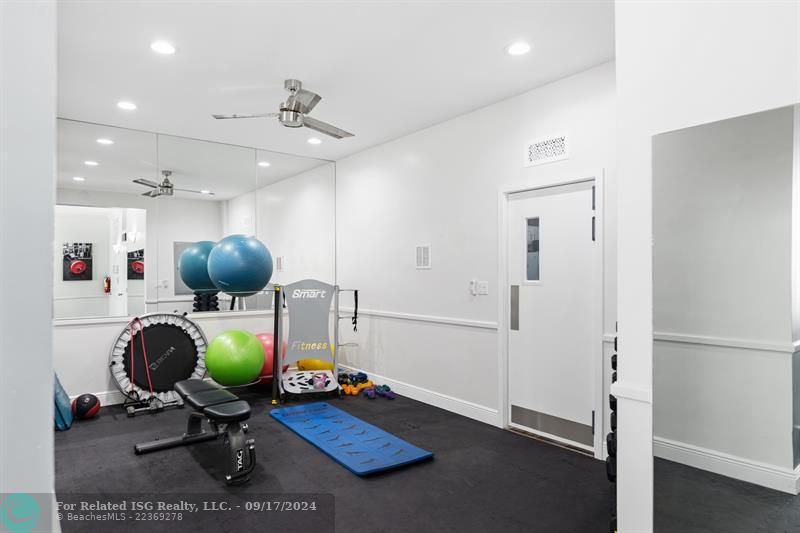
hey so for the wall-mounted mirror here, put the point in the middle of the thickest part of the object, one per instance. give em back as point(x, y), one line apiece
point(726, 322)
point(206, 176)
point(131, 202)
point(101, 221)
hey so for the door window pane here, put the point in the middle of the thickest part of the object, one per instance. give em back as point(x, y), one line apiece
point(532, 252)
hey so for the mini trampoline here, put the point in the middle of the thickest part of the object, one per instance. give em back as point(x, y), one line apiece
point(153, 353)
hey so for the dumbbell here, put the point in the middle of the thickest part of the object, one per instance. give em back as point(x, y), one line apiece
point(611, 468)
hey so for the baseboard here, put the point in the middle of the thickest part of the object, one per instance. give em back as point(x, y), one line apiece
point(109, 397)
point(466, 408)
point(767, 475)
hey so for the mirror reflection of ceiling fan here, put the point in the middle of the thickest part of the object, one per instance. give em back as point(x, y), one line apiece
point(293, 113)
point(165, 188)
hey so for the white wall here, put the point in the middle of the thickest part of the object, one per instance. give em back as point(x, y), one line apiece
point(679, 64)
point(722, 216)
point(722, 220)
point(296, 218)
point(27, 183)
point(440, 186)
point(239, 215)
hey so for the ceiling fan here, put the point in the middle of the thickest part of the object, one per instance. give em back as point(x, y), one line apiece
point(293, 113)
point(165, 188)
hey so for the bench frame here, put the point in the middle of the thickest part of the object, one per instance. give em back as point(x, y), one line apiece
point(240, 451)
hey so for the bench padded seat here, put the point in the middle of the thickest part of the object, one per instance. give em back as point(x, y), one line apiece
point(190, 386)
point(202, 400)
point(229, 412)
point(214, 402)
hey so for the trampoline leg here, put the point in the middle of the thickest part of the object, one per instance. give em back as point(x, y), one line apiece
point(241, 454)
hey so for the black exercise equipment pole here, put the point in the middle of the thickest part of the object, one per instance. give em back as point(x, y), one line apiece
point(276, 345)
point(355, 310)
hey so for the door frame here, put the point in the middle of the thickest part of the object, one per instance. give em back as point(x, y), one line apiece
point(503, 312)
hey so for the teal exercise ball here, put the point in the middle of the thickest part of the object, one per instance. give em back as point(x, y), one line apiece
point(193, 267)
point(235, 357)
point(240, 265)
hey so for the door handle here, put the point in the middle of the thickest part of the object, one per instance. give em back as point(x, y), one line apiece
point(515, 307)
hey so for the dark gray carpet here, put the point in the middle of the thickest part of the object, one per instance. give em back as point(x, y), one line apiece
point(482, 479)
point(695, 501)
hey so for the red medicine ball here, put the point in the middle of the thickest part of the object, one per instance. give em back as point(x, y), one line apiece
point(77, 267)
point(85, 406)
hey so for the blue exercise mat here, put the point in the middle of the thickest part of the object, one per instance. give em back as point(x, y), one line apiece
point(360, 447)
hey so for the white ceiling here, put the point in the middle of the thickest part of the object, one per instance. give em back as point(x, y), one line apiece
point(383, 68)
point(223, 169)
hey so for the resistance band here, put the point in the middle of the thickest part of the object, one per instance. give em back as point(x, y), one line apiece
point(133, 323)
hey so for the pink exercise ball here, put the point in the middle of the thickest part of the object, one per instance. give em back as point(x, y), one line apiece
point(268, 343)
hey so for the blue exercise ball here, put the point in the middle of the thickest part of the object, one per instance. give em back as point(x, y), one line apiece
point(240, 265)
point(193, 267)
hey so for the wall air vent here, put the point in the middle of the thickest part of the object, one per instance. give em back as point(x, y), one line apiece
point(546, 150)
point(423, 257)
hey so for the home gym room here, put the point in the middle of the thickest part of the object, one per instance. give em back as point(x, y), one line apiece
point(399, 266)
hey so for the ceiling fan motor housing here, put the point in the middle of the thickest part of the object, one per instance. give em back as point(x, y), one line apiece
point(291, 119)
point(165, 187)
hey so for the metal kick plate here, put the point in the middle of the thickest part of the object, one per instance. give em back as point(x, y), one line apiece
point(553, 425)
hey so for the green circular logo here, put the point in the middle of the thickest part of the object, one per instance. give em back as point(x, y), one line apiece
point(19, 513)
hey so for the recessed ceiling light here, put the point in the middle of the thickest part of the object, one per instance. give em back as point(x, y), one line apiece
point(518, 49)
point(205, 191)
point(78, 178)
point(162, 47)
point(91, 163)
point(264, 164)
point(314, 140)
point(105, 141)
point(127, 106)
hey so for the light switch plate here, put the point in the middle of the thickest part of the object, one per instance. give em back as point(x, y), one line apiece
point(482, 288)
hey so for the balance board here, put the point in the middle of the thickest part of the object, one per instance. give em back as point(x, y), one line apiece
point(360, 447)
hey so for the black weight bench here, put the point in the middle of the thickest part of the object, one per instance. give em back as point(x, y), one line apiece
point(225, 413)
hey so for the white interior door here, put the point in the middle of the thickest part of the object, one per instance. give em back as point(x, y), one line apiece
point(553, 272)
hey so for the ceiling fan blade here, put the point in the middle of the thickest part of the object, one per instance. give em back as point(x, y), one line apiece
point(307, 99)
point(146, 183)
point(190, 190)
point(324, 127)
point(236, 115)
point(152, 194)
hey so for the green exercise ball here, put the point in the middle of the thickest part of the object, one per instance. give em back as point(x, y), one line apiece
point(235, 357)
